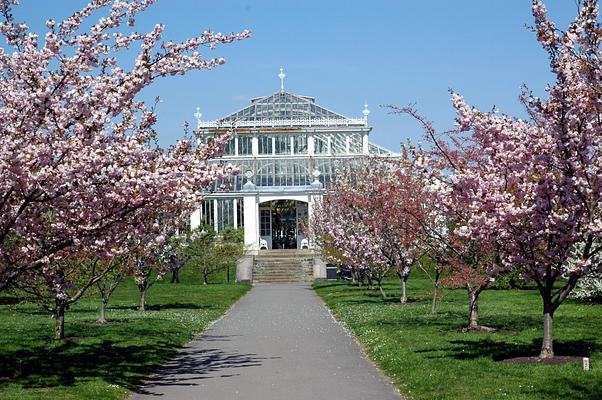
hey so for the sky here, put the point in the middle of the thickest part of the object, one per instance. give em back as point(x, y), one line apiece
point(345, 54)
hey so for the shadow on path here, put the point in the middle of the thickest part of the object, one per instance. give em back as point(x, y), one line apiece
point(194, 364)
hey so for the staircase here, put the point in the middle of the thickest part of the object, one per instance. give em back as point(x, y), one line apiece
point(282, 266)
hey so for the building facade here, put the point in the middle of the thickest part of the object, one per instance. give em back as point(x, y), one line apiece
point(288, 149)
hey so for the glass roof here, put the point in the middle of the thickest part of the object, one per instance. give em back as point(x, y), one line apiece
point(283, 105)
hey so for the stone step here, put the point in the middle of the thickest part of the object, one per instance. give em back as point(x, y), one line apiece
point(260, 257)
point(284, 273)
point(295, 254)
point(281, 278)
point(281, 266)
point(285, 251)
point(271, 273)
point(279, 255)
point(285, 270)
point(281, 271)
point(283, 262)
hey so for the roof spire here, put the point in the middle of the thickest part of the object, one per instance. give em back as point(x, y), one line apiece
point(281, 75)
point(366, 112)
point(198, 115)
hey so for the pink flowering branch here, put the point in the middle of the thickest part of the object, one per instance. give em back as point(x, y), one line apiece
point(80, 176)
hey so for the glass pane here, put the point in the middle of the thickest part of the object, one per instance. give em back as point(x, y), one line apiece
point(229, 147)
point(300, 144)
point(338, 143)
point(245, 148)
point(207, 210)
point(283, 144)
point(355, 145)
point(265, 144)
point(265, 219)
point(321, 144)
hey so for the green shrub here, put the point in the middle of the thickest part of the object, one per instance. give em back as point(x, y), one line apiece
point(510, 280)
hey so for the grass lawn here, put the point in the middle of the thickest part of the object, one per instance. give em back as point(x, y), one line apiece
point(427, 357)
point(104, 361)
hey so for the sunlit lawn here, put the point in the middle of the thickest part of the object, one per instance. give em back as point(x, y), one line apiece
point(428, 357)
point(104, 361)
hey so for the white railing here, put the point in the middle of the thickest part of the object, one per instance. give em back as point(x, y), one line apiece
point(284, 123)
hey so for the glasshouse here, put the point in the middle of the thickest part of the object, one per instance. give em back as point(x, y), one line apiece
point(288, 149)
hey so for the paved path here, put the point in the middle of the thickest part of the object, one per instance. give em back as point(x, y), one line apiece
point(278, 342)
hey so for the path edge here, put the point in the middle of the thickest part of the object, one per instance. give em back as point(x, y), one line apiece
point(349, 332)
point(132, 393)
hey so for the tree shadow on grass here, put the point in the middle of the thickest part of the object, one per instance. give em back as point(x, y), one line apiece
point(330, 284)
point(569, 389)
point(168, 306)
point(372, 297)
point(10, 300)
point(500, 350)
point(64, 363)
point(61, 364)
point(33, 310)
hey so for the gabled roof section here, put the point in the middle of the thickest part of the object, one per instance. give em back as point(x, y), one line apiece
point(283, 106)
point(376, 150)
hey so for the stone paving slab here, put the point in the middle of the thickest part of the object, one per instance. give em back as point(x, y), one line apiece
point(278, 342)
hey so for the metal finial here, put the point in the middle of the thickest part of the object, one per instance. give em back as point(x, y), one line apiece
point(366, 112)
point(198, 115)
point(281, 75)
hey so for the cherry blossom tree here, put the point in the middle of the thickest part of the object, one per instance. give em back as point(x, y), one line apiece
point(536, 187)
point(365, 217)
point(466, 262)
point(404, 207)
point(63, 283)
point(342, 227)
point(109, 282)
point(79, 174)
point(148, 268)
point(77, 163)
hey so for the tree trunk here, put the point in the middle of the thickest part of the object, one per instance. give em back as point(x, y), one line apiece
point(175, 276)
point(403, 276)
point(59, 320)
point(103, 311)
point(142, 299)
point(547, 346)
point(473, 297)
point(380, 288)
point(436, 277)
point(205, 281)
point(434, 302)
point(404, 294)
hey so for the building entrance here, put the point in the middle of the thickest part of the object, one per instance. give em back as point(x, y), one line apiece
point(282, 223)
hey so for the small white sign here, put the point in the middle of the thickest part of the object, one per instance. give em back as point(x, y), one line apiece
point(585, 363)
